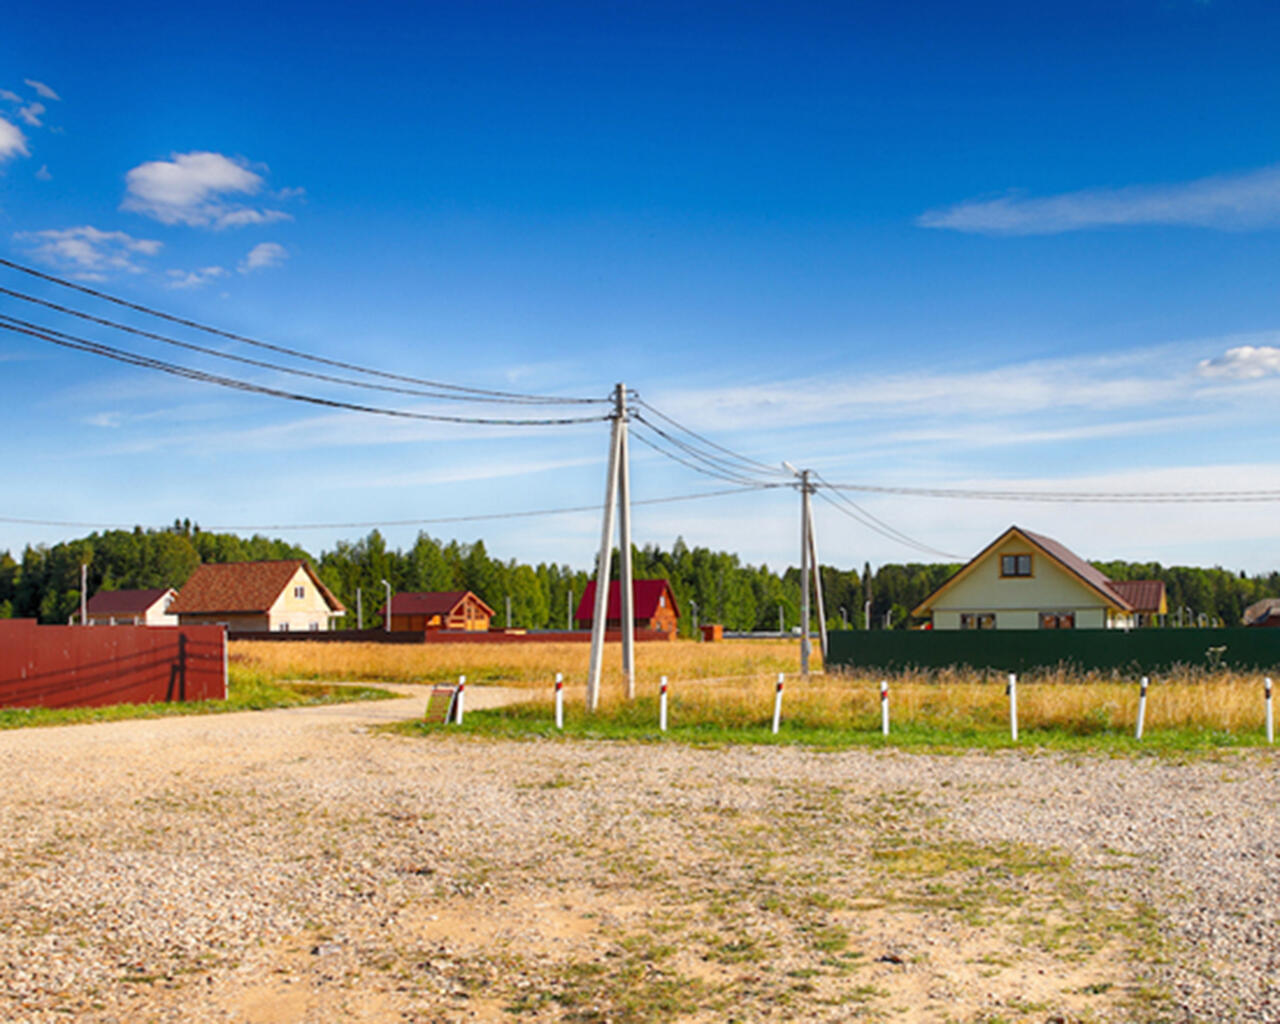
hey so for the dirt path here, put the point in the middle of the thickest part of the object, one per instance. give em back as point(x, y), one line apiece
point(293, 865)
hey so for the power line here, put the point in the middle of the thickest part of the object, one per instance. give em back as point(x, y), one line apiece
point(260, 363)
point(79, 344)
point(709, 459)
point(285, 350)
point(713, 472)
point(437, 520)
point(871, 522)
point(1100, 497)
point(747, 460)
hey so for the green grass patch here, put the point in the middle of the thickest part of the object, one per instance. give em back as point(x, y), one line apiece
point(247, 690)
point(704, 726)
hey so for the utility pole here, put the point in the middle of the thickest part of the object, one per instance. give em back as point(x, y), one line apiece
point(844, 618)
point(568, 609)
point(387, 623)
point(817, 582)
point(782, 626)
point(508, 611)
point(808, 561)
point(617, 492)
point(359, 610)
point(84, 595)
point(694, 605)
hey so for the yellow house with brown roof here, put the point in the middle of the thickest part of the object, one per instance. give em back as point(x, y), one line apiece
point(278, 596)
point(1025, 580)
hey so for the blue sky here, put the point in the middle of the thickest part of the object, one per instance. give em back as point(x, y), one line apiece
point(997, 245)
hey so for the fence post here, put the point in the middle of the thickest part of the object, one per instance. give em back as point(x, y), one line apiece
point(662, 706)
point(457, 707)
point(1271, 721)
point(1142, 708)
point(559, 700)
point(884, 707)
point(1012, 691)
point(777, 704)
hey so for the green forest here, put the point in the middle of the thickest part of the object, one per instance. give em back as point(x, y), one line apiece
point(44, 583)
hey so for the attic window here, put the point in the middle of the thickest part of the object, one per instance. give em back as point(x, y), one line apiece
point(662, 600)
point(299, 592)
point(1015, 565)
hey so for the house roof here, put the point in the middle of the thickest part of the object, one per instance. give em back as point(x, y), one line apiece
point(243, 587)
point(648, 594)
point(125, 602)
point(1260, 611)
point(1115, 596)
point(431, 603)
point(1142, 595)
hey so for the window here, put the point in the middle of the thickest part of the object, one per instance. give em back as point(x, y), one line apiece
point(1015, 565)
point(283, 627)
point(1057, 620)
point(978, 620)
point(299, 592)
point(662, 600)
point(315, 627)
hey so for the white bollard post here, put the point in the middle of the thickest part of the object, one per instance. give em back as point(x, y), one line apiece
point(1142, 709)
point(457, 708)
point(884, 706)
point(1271, 720)
point(777, 704)
point(662, 706)
point(1012, 691)
point(559, 700)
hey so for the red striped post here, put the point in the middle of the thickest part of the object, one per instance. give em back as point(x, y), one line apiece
point(662, 706)
point(559, 700)
point(462, 689)
point(884, 707)
point(777, 703)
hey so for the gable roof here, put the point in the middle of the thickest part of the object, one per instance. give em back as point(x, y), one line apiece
point(243, 587)
point(647, 594)
point(125, 602)
point(1142, 595)
point(1260, 611)
point(1067, 559)
point(441, 602)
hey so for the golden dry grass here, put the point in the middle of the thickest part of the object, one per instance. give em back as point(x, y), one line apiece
point(532, 664)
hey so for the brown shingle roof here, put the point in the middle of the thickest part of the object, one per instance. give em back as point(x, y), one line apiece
point(441, 602)
point(1143, 595)
point(242, 587)
point(124, 602)
point(1068, 558)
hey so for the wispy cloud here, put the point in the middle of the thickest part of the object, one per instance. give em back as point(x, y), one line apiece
point(12, 141)
point(30, 114)
point(198, 189)
point(1244, 362)
point(262, 256)
point(88, 252)
point(9, 96)
point(194, 278)
point(42, 90)
point(43, 174)
point(1234, 202)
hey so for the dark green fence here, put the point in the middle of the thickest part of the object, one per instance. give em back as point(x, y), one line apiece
point(1136, 651)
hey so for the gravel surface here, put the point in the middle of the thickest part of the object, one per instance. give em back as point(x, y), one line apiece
point(295, 866)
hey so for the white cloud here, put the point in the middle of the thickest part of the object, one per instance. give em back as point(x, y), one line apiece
point(111, 420)
point(43, 174)
point(12, 141)
point(30, 114)
point(89, 252)
point(192, 189)
point(194, 278)
point(42, 90)
point(12, 97)
point(1226, 202)
point(1244, 362)
point(263, 255)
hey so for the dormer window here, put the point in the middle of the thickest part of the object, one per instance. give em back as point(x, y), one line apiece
point(1015, 565)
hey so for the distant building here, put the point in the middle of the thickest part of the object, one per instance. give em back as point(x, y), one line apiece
point(1025, 580)
point(1262, 613)
point(278, 596)
point(450, 609)
point(655, 606)
point(132, 607)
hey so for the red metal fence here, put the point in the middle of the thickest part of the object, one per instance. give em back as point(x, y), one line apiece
point(77, 666)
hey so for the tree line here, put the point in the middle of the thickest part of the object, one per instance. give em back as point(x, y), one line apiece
point(709, 586)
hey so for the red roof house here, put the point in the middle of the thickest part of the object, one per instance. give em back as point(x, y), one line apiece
point(132, 607)
point(450, 609)
point(655, 606)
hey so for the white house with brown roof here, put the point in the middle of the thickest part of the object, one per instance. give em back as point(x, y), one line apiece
point(278, 596)
point(1025, 580)
point(132, 607)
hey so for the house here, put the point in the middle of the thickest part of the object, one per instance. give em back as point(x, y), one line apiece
point(1265, 613)
point(655, 606)
point(451, 609)
point(132, 607)
point(278, 596)
point(1025, 580)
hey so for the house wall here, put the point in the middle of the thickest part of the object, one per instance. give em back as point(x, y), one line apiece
point(299, 614)
point(1018, 601)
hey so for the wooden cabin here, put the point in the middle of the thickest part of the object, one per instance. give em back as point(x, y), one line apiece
point(655, 606)
point(451, 609)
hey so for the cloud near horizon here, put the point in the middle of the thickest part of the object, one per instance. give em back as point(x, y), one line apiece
point(195, 189)
point(1229, 202)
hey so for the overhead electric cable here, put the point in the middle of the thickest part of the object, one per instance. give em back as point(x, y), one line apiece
point(260, 363)
point(715, 473)
point(884, 529)
point(437, 520)
point(762, 466)
point(1099, 497)
point(285, 350)
point(77, 343)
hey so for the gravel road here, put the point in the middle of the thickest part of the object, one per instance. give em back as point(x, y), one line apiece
point(296, 865)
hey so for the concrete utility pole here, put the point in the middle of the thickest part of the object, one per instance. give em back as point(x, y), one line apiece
point(508, 611)
point(617, 491)
point(359, 610)
point(84, 593)
point(808, 561)
point(817, 583)
point(568, 611)
point(387, 624)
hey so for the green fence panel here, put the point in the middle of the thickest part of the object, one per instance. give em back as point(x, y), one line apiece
point(1128, 652)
